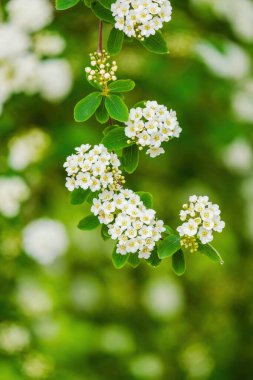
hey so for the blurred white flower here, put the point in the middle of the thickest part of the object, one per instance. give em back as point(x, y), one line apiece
point(13, 191)
point(197, 362)
point(45, 240)
point(242, 102)
point(163, 298)
point(13, 338)
point(13, 41)
point(32, 299)
point(238, 156)
point(37, 366)
point(48, 44)
point(147, 366)
point(238, 13)
point(86, 293)
point(27, 148)
point(30, 15)
point(234, 63)
point(116, 340)
point(55, 79)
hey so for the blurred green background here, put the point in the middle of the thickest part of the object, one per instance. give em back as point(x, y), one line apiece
point(76, 317)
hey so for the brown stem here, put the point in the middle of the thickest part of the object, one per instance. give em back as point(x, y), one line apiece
point(100, 36)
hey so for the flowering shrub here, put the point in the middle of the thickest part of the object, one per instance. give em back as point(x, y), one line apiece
point(95, 174)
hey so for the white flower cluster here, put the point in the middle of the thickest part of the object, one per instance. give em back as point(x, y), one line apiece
point(22, 46)
point(45, 240)
point(151, 126)
point(141, 18)
point(13, 191)
point(27, 148)
point(102, 70)
point(201, 217)
point(95, 169)
point(129, 222)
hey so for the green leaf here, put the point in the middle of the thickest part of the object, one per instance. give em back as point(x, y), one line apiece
point(109, 128)
point(78, 196)
point(130, 158)
point(91, 196)
point(119, 261)
point(211, 252)
point(86, 107)
point(104, 232)
point(89, 223)
point(65, 4)
point(101, 114)
point(122, 85)
point(88, 3)
point(116, 108)
point(134, 260)
point(154, 260)
point(102, 13)
point(146, 198)
point(169, 246)
point(178, 263)
point(169, 230)
point(155, 44)
point(107, 3)
point(141, 104)
point(115, 41)
point(115, 139)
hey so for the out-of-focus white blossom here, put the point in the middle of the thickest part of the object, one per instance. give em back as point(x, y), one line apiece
point(48, 44)
point(135, 227)
point(233, 63)
point(13, 191)
point(37, 366)
point(151, 125)
point(13, 338)
point(21, 50)
point(27, 148)
point(13, 41)
point(242, 101)
point(238, 156)
point(30, 15)
point(200, 219)
point(239, 14)
point(55, 79)
point(95, 169)
point(141, 18)
point(45, 240)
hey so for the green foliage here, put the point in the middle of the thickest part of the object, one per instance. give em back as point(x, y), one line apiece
point(89, 223)
point(123, 85)
point(78, 196)
point(101, 113)
point(119, 261)
point(107, 3)
point(130, 158)
point(134, 260)
point(154, 261)
point(102, 13)
point(116, 108)
point(155, 44)
point(178, 263)
point(86, 107)
point(146, 198)
point(115, 139)
point(65, 4)
point(169, 246)
point(115, 41)
point(209, 251)
point(104, 232)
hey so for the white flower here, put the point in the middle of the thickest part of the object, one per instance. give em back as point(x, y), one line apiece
point(151, 126)
point(141, 18)
point(12, 41)
point(95, 169)
point(129, 222)
point(13, 338)
point(27, 148)
point(13, 191)
point(201, 217)
point(49, 44)
point(102, 70)
point(30, 15)
point(55, 79)
point(45, 240)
